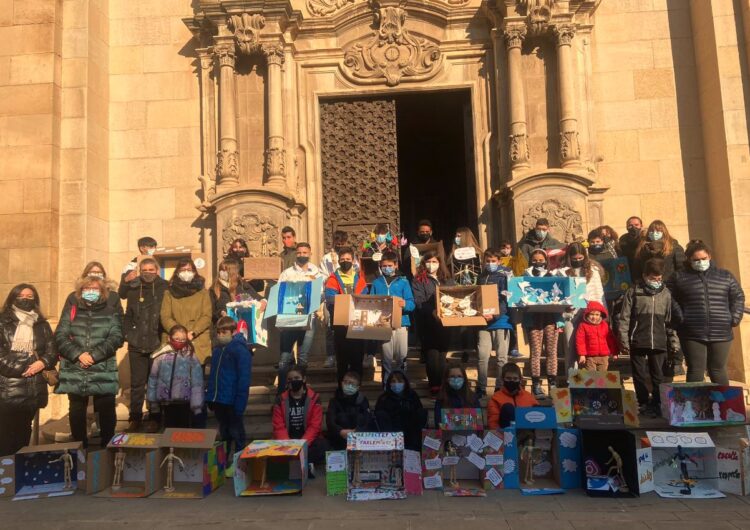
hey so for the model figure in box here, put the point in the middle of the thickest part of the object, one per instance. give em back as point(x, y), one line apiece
point(615, 464)
point(67, 461)
point(170, 459)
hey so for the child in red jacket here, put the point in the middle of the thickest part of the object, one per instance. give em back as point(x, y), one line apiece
point(595, 342)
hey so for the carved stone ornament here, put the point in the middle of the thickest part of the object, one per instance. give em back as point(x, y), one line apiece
point(564, 34)
point(224, 55)
point(246, 28)
point(274, 54)
point(514, 36)
point(227, 166)
point(259, 231)
point(391, 54)
point(323, 8)
point(570, 149)
point(275, 162)
point(519, 148)
point(208, 187)
point(538, 15)
point(566, 223)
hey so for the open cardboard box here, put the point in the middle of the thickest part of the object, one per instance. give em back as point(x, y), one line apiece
point(421, 249)
point(702, 404)
point(375, 464)
point(203, 463)
point(596, 398)
point(485, 300)
point(367, 316)
point(733, 459)
point(293, 303)
point(270, 467)
point(140, 475)
point(36, 472)
point(167, 258)
point(265, 268)
point(547, 294)
point(600, 465)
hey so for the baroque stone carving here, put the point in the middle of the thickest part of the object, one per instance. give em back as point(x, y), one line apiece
point(224, 56)
point(564, 34)
point(274, 54)
point(570, 149)
point(566, 223)
point(359, 152)
point(514, 36)
point(208, 187)
point(246, 28)
point(538, 15)
point(227, 165)
point(275, 161)
point(322, 8)
point(259, 231)
point(519, 148)
point(391, 54)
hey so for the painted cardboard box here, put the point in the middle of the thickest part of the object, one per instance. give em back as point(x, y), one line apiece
point(733, 463)
point(466, 305)
point(546, 294)
point(367, 316)
point(684, 465)
point(132, 460)
point(702, 404)
point(616, 279)
point(461, 457)
point(595, 398)
point(337, 473)
point(40, 471)
point(612, 464)
point(293, 303)
point(200, 468)
point(270, 467)
point(375, 463)
point(546, 457)
point(250, 313)
point(262, 268)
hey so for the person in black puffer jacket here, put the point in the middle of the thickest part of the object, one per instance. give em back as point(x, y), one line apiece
point(142, 329)
point(348, 411)
point(27, 348)
point(399, 409)
point(709, 303)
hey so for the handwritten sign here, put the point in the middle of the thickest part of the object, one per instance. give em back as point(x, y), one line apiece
point(432, 443)
point(433, 482)
point(477, 460)
point(375, 441)
point(494, 477)
point(432, 464)
point(492, 441)
point(262, 268)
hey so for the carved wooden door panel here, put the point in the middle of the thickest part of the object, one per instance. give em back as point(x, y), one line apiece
point(360, 167)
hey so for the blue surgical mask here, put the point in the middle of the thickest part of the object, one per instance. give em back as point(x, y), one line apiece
point(456, 383)
point(90, 295)
point(388, 271)
point(541, 234)
point(700, 265)
point(653, 284)
point(457, 240)
point(380, 238)
point(349, 389)
point(655, 235)
point(491, 267)
point(397, 387)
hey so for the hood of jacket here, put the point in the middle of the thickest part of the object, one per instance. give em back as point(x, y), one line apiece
point(595, 306)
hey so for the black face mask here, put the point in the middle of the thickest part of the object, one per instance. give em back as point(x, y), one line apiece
point(576, 263)
point(424, 237)
point(302, 260)
point(596, 249)
point(633, 231)
point(346, 266)
point(24, 304)
point(513, 387)
point(296, 385)
point(148, 277)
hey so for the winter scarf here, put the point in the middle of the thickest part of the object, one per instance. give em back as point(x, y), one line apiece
point(23, 340)
point(180, 289)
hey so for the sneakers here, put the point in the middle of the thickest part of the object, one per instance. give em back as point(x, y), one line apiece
point(536, 388)
point(515, 354)
point(330, 362)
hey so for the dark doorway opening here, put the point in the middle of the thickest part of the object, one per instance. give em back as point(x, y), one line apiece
point(436, 162)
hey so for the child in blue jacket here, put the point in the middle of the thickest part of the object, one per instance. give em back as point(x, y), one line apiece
point(229, 384)
point(392, 283)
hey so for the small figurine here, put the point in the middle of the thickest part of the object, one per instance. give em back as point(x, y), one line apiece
point(688, 414)
point(356, 481)
point(119, 466)
point(67, 461)
point(717, 411)
point(685, 479)
point(170, 460)
point(451, 450)
point(264, 474)
point(616, 461)
point(527, 455)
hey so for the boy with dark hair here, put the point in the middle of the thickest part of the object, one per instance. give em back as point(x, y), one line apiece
point(289, 250)
point(501, 408)
point(538, 237)
point(146, 247)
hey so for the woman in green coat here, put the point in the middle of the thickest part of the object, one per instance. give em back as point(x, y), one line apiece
point(87, 338)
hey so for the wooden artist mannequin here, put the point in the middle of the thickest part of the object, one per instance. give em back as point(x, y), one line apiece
point(450, 450)
point(67, 461)
point(527, 453)
point(170, 460)
point(119, 466)
point(616, 461)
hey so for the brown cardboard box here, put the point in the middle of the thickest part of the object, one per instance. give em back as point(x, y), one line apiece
point(487, 303)
point(32, 474)
point(262, 268)
point(140, 476)
point(348, 307)
point(167, 258)
point(427, 247)
point(7, 476)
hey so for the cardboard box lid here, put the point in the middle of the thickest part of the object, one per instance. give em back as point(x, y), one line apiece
point(273, 448)
point(189, 438)
point(593, 379)
point(316, 289)
point(517, 295)
point(375, 441)
point(535, 418)
point(487, 300)
point(70, 446)
point(342, 307)
point(467, 419)
point(688, 440)
point(262, 268)
point(135, 441)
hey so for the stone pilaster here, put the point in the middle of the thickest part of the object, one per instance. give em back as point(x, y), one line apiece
point(275, 155)
point(570, 151)
point(519, 147)
point(227, 157)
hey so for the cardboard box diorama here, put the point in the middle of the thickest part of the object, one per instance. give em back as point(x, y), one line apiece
point(417, 250)
point(270, 467)
point(167, 258)
point(262, 268)
point(367, 316)
point(193, 464)
point(595, 397)
point(544, 458)
point(36, 472)
point(293, 303)
point(547, 294)
point(702, 404)
point(252, 315)
point(616, 278)
point(375, 466)
point(467, 305)
point(461, 457)
point(614, 465)
point(132, 461)
point(733, 464)
point(684, 465)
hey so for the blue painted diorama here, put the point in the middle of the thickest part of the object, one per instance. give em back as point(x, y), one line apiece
point(547, 294)
point(293, 303)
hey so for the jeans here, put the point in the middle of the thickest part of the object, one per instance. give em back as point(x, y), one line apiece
point(303, 339)
point(231, 428)
point(103, 405)
point(648, 365)
point(706, 356)
point(394, 352)
point(16, 428)
point(140, 366)
point(349, 353)
point(492, 339)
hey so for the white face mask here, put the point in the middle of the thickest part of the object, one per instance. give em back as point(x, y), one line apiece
point(150, 251)
point(432, 267)
point(224, 275)
point(700, 265)
point(186, 276)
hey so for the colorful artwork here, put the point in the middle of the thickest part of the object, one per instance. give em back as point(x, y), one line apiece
point(336, 473)
point(461, 420)
point(293, 303)
point(250, 313)
point(702, 404)
point(550, 293)
point(375, 466)
point(135, 440)
point(270, 467)
point(616, 279)
point(41, 472)
point(375, 441)
point(599, 394)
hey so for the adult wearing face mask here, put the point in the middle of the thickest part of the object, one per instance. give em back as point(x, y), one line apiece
point(142, 330)
point(95, 269)
point(87, 339)
point(433, 337)
point(146, 247)
point(27, 348)
point(455, 392)
point(187, 303)
point(710, 302)
point(348, 411)
point(538, 237)
point(229, 285)
point(657, 242)
point(399, 409)
point(629, 241)
point(501, 408)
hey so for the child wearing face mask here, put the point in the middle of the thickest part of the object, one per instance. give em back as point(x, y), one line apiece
point(595, 342)
point(644, 332)
point(229, 384)
point(348, 411)
point(455, 392)
point(399, 409)
point(501, 408)
point(175, 385)
point(392, 282)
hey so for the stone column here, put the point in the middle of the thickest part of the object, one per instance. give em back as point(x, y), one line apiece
point(227, 157)
point(570, 151)
point(519, 147)
point(275, 155)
